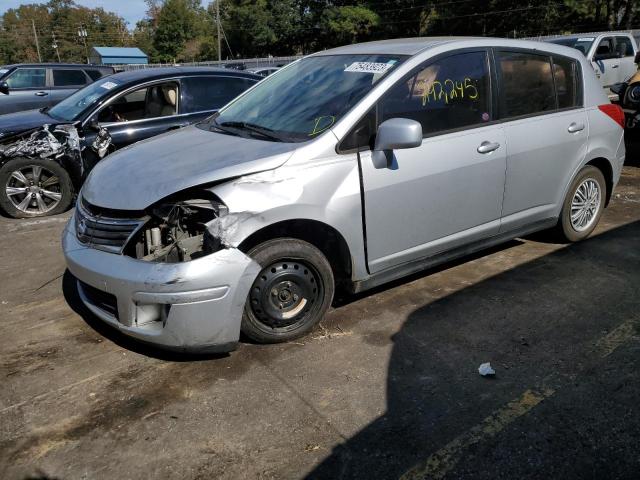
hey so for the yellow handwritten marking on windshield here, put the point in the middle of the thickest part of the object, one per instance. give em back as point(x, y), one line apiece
point(320, 126)
point(450, 90)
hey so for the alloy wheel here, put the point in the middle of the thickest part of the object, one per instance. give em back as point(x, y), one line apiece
point(34, 189)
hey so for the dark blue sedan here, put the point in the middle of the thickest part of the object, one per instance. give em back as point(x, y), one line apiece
point(46, 154)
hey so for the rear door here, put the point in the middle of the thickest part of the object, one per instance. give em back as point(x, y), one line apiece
point(65, 81)
point(203, 95)
point(541, 104)
point(448, 191)
point(626, 52)
point(27, 90)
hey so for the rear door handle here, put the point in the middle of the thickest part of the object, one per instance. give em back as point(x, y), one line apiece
point(41, 94)
point(575, 127)
point(615, 66)
point(488, 147)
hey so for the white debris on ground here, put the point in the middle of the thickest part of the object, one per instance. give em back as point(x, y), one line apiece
point(485, 370)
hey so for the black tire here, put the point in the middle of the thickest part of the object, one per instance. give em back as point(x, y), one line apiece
point(50, 170)
point(291, 294)
point(565, 229)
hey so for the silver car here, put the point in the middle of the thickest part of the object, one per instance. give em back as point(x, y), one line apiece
point(342, 171)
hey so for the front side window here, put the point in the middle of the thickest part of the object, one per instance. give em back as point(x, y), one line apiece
point(210, 93)
point(160, 100)
point(605, 48)
point(526, 84)
point(68, 78)
point(305, 98)
point(450, 93)
point(27, 78)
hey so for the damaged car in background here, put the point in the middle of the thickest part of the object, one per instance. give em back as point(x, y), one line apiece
point(344, 170)
point(46, 154)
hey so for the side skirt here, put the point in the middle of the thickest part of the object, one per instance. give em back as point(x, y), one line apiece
point(420, 264)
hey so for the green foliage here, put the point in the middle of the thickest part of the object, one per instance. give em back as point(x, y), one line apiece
point(185, 30)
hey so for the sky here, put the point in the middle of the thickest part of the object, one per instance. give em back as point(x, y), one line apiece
point(131, 10)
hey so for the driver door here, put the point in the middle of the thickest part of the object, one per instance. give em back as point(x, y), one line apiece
point(445, 193)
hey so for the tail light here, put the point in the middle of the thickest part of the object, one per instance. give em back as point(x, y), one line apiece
point(615, 112)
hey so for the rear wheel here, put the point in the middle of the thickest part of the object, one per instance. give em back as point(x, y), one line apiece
point(292, 292)
point(583, 205)
point(32, 187)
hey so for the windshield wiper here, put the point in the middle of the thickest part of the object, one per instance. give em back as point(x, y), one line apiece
point(252, 127)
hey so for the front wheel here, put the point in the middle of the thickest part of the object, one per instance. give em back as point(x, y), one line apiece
point(33, 187)
point(291, 294)
point(583, 205)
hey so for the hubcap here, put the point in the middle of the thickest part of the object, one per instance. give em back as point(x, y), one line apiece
point(585, 205)
point(284, 293)
point(34, 190)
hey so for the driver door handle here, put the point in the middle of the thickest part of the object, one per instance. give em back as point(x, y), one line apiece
point(488, 147)
point(41, 94)
point(575, 127)
point(615, 66)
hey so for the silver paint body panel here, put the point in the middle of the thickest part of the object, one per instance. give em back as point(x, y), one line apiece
point(431, 200)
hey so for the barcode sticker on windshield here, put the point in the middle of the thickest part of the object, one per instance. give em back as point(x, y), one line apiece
point(108, 85)
point(368, 67)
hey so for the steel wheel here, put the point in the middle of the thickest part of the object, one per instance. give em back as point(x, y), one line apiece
point(585, 205)
point(285, 293)
point(33, 189)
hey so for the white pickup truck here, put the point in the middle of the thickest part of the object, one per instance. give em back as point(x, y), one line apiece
point(613, 54)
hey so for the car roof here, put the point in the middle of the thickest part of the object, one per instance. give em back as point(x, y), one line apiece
point(75, 65)
point(165, 72)
point(415, 46)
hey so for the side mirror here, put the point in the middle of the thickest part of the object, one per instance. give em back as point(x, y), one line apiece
point(4, 88)
point(93, 124)
point(637, 59)
point(395, 133)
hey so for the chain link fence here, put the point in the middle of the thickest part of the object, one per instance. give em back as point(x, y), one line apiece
point(237, 63)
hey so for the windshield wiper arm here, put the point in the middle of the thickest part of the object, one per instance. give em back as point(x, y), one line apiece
point(264, 131)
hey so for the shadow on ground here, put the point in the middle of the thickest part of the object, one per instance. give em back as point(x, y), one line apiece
point(537, 320)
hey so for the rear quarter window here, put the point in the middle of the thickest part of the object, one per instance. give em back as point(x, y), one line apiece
point(568, 84)
point(94, 74)
point(211, 93)
point(526, 84)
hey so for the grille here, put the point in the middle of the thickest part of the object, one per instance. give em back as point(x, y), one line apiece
point(103, 300)
point(104, 232)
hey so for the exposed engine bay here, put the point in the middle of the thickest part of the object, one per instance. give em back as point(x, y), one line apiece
point(177, 232)
point(55, 142)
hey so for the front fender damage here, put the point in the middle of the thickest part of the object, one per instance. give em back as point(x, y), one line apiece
point(60, 143)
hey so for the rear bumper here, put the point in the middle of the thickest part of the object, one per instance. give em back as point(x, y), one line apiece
point(190, 306)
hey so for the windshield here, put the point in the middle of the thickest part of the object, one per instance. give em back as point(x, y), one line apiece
point(304, 99)
point(3, 71)
point(579, 43)
point(71, 108)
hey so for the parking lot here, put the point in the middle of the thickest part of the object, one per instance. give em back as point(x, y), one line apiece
point(387, 386)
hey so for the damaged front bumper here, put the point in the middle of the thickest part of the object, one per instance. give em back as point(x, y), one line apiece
point(188, 306)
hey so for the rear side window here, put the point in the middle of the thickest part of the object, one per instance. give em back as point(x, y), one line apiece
point(27, 78)
point(624, 48)
point(526, 84)
point(211, 93)
point(565, 73)
point(94, 74)
point(68, 78)
point(450, 93)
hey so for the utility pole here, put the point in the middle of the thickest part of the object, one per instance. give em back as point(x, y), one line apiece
point(82, 33)
point(55, 46)
point(218, 24)
point(35, 34)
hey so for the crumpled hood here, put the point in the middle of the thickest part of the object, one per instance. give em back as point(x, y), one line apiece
point(140, 175)
point(18, 122)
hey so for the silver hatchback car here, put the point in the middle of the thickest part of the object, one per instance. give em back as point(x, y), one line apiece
point(344, 170)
